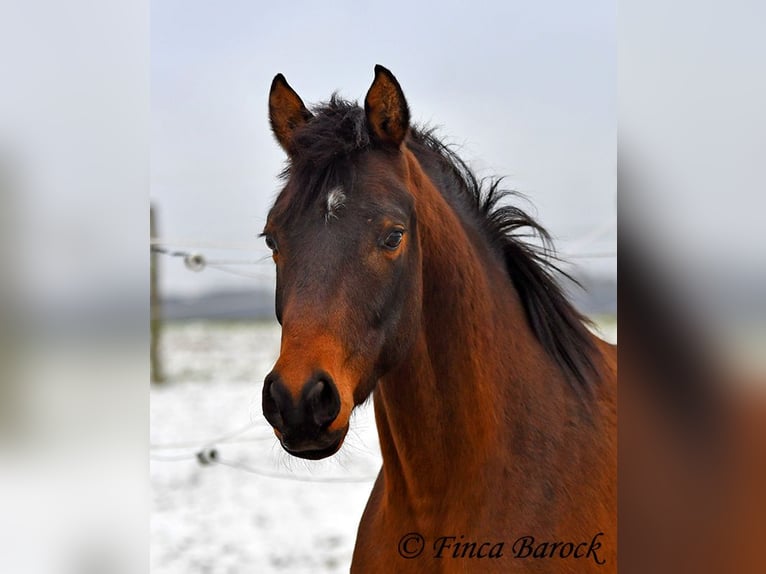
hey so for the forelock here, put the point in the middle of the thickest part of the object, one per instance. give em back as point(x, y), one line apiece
point(337, 130)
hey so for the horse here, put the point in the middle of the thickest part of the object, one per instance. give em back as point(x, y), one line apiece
point(403, 276)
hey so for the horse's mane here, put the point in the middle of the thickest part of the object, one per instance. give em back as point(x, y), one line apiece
point(338, 131)
point(533, 268)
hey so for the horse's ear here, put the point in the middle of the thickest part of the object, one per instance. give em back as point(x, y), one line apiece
point(286, 113)
point(387, 113)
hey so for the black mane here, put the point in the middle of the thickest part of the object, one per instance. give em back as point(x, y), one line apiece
point(532, 268)
point(338, 132)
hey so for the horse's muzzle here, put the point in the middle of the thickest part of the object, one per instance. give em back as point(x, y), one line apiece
point(302, 425)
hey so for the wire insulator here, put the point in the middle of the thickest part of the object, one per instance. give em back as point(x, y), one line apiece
point(194, 261)
point(207, 456)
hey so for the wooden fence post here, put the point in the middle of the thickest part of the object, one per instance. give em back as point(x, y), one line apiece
point(155, 358)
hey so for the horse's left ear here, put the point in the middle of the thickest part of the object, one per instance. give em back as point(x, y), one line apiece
point(387, 113)
point(286, 113)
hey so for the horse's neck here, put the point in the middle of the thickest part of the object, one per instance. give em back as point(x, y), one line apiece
point(446, 415)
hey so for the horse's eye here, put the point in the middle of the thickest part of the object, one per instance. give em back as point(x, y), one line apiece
point(270, 243)
point(394, 239)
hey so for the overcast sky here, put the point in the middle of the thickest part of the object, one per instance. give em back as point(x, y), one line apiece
point(528, 89)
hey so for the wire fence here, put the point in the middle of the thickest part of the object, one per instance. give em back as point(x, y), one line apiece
point(197, 262)
point(207, 453)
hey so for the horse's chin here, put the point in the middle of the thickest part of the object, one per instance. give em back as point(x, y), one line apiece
point(321, 449)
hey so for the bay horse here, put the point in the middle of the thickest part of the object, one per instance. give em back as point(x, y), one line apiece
point(403, 276)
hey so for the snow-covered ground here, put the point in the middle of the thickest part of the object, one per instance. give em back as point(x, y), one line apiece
point(219, 519)
point(254, 517)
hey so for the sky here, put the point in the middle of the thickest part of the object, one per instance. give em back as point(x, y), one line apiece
point(526, 89)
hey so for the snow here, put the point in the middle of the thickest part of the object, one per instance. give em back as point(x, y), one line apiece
point(218, 519)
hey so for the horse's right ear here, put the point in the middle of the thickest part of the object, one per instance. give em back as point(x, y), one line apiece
point(286, 113)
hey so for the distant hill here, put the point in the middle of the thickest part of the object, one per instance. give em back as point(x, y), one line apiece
point(599, 297)
point(240, 304)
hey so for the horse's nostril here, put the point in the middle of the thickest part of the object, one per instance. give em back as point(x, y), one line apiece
point(315, 392)
point(276, 399)
point(323, 401)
